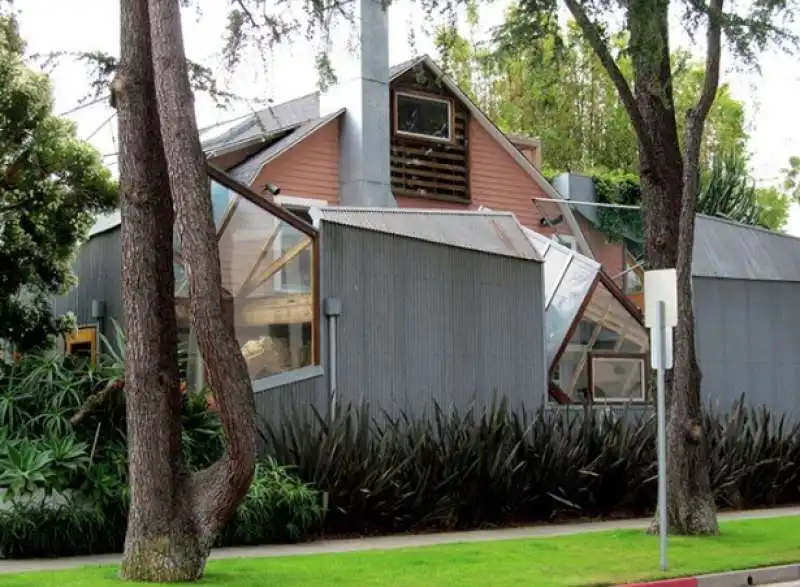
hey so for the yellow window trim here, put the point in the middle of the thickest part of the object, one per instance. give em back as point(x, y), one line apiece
point(83, 335)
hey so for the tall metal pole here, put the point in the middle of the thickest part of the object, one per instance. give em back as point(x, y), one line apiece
point(661, 341)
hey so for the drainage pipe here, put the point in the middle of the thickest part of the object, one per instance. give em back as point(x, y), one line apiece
point(333, 309)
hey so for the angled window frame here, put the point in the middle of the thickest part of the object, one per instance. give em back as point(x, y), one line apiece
point(281, 214)
point(556, 392)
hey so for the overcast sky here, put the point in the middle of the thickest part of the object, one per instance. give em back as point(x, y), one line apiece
point(87, 25)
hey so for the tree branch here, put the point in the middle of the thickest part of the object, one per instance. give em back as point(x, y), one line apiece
point(713, 57)
point(599, 46)
point(96, 400)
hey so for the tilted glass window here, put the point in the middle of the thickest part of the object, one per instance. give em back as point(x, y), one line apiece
point(604, 360)
point(568, 277)
point(267, 267)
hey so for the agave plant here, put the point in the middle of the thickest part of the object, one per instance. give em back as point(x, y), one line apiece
point(728, 191)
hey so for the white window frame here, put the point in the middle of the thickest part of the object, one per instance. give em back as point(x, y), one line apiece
point(421, 98)
point(300, 203)
point(620, 400)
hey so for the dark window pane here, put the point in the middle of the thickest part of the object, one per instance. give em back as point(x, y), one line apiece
point(423, 116)
point(82, 350)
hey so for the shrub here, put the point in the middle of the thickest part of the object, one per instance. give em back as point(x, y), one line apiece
point(58, 527)
point(278, 508)
point(494, 467)
point(66, 485)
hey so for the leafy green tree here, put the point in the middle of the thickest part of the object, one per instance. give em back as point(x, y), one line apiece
point(791, 178)
point(51, 186)
point(669, 170)
point(557, 90)
point(774, 207)
point(727, 191)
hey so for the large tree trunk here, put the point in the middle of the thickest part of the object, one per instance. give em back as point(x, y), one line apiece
point(159, 532)
point(669, 237)
point(691, 503)
point(174, 516)
point(217, 491)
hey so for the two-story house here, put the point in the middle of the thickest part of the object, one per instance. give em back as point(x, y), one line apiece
point(408, 136)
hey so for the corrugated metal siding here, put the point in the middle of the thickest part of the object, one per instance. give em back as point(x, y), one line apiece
point(98, 267)
point(735, 251)
point(277, 405)
point(423, 322)
point(309, 169)
point(748, 334)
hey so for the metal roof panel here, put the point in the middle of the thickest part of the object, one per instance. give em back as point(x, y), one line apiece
point(497, 233)
point(729, 250)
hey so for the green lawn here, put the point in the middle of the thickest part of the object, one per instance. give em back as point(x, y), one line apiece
point(604, 558)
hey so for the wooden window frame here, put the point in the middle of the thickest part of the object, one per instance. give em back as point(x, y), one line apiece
point(602, 278)
point(222, 178)
point(451, 115)
point(84, 333)
point(592, 355)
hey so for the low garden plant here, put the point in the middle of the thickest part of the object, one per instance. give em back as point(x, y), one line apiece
point(64, 471)
point(497, 467)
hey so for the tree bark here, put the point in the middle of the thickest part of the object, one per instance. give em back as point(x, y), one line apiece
point(691, 504)
point(174, 517)
point(669, 188)
point(217, 491)
point(160, 543)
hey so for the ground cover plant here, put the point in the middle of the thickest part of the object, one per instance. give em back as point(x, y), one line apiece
point(63, 463)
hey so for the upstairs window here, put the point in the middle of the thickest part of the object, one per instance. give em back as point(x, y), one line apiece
point(423, 117)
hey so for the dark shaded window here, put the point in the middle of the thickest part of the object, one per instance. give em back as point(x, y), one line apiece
point(425, 117)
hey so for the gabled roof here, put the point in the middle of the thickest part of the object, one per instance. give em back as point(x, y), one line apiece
point(490, 127)
point(496, 233)
point(305, 112)
point(285, 115)
point(248, 170)
point(729, 250)
point(264, 123)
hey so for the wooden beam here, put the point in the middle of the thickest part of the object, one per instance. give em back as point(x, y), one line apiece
point(278, 309)
point(288, 309)
point(277, 265)
point(228, 216)
point(261, 256)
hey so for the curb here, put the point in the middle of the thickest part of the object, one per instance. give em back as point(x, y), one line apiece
point(746, 578)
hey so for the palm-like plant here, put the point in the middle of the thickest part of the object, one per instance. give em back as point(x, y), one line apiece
point(728, 191)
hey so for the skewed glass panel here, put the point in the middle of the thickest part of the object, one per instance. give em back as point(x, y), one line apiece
point(609, 337)
point(568, 276)
point(266, 266)
point(566, 303)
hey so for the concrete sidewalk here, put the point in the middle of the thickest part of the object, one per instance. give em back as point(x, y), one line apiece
point(390, 542)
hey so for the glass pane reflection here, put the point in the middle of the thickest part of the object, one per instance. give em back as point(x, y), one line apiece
point(267, 268)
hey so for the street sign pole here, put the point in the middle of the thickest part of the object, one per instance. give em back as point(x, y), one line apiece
point(661, 316)
point(661, 338)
